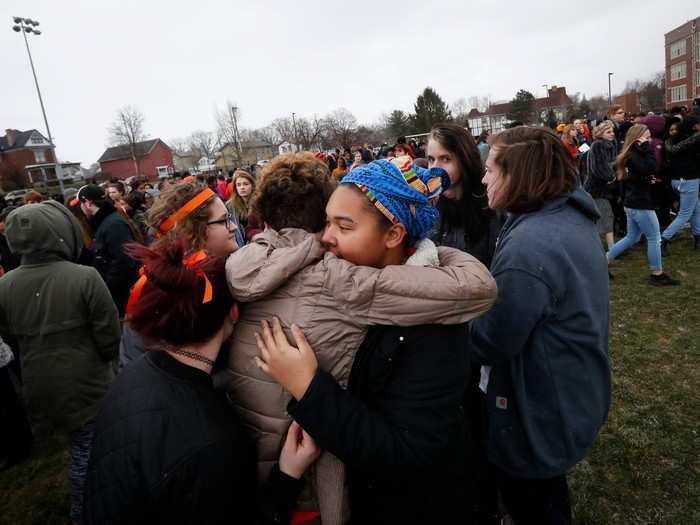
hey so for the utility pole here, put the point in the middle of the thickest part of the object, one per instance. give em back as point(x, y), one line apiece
point(236, 138)
point(610, 89)
point(294, 122)
point(546, 107)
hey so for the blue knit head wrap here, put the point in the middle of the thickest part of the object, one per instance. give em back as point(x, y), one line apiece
point(402, 192)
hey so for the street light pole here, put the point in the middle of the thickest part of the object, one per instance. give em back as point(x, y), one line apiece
point(546, 108)
point(610, 89)
point(294, 122)
point(24, 26)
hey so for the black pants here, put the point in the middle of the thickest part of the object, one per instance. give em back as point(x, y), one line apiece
point(535, 501)
point(16, 434)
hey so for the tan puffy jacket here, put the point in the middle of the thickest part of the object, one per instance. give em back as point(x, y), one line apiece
point(288, 275)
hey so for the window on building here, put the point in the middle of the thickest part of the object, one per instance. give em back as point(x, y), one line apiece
point(40, 156)
point(678, 49)
point(678, 94)
point(678, 71)
point(36, 140)
point(697, 47)
point(697, 78)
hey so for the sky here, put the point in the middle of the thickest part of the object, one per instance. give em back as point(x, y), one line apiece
point(177, 61)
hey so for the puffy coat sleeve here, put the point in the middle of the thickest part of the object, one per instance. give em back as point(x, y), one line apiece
point(104, 318)
point(260, 268)
point(460, 289)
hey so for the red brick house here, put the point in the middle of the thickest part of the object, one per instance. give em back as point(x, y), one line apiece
point(19, 149)
point(119, 161)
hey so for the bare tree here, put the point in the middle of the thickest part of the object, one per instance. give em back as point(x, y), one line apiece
point(599, 106)
point(227, 127)
point(342, 126)
point(127, 130)
point(285, 129)
point(460, 109)
point(205, 142)
point(268, 135)
point(179, 145)
point(309, 132)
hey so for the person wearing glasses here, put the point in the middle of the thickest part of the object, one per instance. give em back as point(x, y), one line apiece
point(192, 211)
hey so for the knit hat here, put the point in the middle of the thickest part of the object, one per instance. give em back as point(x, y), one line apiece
point(403, 192)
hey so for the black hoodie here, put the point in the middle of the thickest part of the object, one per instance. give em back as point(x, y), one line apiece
point(119, 271)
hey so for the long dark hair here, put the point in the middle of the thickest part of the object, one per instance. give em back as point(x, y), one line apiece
point(471, 210)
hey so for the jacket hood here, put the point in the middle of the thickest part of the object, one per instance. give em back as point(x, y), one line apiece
point(656, 125)
point(47, 228)
point(579, 199)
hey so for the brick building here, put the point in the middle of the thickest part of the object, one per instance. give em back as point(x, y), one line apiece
point(19, 149)
point(630, 102)
point(683, 64)
point(151, 155)
point(495, 117)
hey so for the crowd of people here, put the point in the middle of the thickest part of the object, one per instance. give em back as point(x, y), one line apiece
point(415, 333)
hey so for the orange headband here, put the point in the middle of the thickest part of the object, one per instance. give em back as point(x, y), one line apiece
point(191, 205)
point(190, 261)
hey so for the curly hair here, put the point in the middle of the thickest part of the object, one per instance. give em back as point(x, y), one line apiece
point(194, 226)
point(293, 192)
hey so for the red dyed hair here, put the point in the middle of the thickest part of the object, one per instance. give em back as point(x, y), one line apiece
point(170, 309)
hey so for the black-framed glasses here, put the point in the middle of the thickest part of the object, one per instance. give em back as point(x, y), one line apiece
point(228, 221)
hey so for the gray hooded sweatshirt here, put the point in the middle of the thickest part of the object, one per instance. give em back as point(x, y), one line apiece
point(546, 339)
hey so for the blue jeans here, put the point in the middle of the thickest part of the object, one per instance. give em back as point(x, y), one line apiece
point(690, 207)
point(641, 222)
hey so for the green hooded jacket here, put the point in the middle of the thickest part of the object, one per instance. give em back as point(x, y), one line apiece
point(61, 316)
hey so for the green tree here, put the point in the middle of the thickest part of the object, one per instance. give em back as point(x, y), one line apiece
point(429, 110)
point(398, 123)
point(522, 107)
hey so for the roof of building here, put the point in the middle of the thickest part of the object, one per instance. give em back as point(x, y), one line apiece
point(124, 152)
point(20, 139)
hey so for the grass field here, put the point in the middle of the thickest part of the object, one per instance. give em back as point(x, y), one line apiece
point(645, 467)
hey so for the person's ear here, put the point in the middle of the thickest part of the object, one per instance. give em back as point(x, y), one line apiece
point(395, 236)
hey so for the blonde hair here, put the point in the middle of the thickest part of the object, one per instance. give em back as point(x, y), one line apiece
point(633, 134)
point(602, 128)
point(241, 206)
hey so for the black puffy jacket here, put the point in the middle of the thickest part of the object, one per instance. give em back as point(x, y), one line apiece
point(399, 427)
point(168, 449)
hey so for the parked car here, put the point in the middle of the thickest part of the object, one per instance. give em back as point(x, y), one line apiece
point(15, 197)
